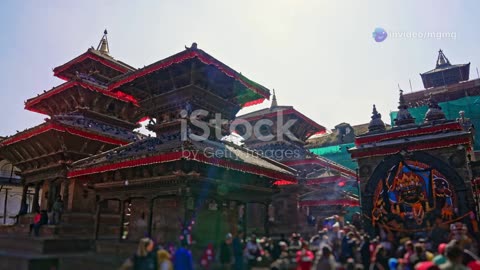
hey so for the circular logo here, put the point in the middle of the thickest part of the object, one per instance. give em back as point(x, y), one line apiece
point(379, 34)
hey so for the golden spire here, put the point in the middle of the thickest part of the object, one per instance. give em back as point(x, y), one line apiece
point(103, 44)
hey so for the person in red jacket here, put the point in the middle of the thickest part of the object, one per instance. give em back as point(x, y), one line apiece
point(304, 258)
point(36, 223)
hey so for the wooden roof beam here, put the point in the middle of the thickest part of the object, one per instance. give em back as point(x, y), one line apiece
point(81, 96)
point(10, 156)
point(107, 105)
point(149, 90)
point(48, 147)
point(130, 89)
point(38, 158)
point(35, 151)
point(26, 154)
point(40, 149)
point(21, 148)
point(84, 146)
point(75, 101)
point(95, 101)
point(16, 152)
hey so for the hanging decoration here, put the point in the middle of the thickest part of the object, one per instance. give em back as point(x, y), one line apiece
point(207, 257)
point(186, 229)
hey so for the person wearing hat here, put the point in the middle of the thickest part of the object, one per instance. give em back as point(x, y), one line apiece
point(440, 258)
point(252, 251)
point(226, 252)
point(454, 254)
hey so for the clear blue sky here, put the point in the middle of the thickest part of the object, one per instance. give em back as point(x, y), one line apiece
point(318, 55)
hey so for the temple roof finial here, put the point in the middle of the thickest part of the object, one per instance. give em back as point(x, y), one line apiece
point(402, 104)
point(403, 116)
point(434, 112)
point(376, 124)
point(103, 44)
point(442, 60)
point(193, 47)
point(274, 100)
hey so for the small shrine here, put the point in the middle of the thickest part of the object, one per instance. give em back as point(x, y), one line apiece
point(414, 175)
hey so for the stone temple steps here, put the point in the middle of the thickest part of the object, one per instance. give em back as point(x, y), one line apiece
point(72, 226)
point(42, 245)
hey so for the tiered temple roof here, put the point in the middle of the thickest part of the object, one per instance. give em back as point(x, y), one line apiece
point(85, 118)
point(190, 67)
point(445, 73)
point(169, 91)
point(94, 63)
point(314, 173)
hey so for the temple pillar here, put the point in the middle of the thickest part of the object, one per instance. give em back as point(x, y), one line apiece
point(122, 218)
point(51, 195)
point(244, 209)
point(267, 219)
point(36, 197)
point(5, 206)
point(23, 203)
point(66, 186)
point(97, 221)
point(150, 216)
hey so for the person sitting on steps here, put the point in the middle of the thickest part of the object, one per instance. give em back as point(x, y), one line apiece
point(37, 222)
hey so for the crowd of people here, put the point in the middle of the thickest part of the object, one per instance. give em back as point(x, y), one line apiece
point(335, 246)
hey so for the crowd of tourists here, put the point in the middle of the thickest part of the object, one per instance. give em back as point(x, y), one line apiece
point(335, 246)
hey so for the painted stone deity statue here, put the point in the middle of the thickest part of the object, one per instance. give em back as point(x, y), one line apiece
point(411, 196)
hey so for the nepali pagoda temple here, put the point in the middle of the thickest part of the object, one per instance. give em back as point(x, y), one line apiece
point(118, 185)
point(321, 188)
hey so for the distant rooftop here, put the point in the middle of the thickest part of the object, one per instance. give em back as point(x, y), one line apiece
point(445, 73)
